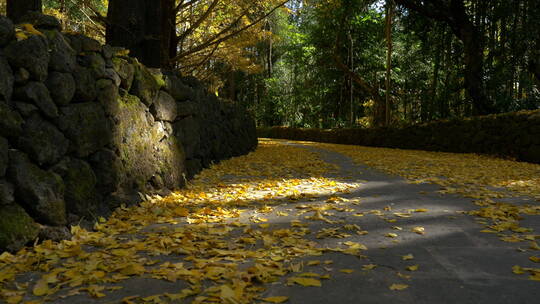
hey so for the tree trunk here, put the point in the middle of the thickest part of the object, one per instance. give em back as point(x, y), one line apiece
point(473, 47)
point(18, 8)
point(168, 33)
point(132, 24)
point(389, 13)
point(351, 95)
point(454, 14)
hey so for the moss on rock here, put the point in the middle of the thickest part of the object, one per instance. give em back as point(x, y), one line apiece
point(16, 228)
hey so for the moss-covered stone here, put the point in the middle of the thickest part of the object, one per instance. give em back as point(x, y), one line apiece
point(125, 70)
point(16, 228)
point(3, 156)
point(10, 121)
point(80, 186)
point(6, 80)
point(86, 125)
point(145, 86)
point(31, 54)
point(41, 192)
point(145, 147)
point(43, 142)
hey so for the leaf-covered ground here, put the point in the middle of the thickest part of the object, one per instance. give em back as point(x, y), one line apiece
point(302, 223)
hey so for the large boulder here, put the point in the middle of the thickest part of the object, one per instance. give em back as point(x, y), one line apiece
point(145, 85)
point(188, 108)
point(109, 170)
point(41, 21)
point(179, 91)
point(10, 121)
point(42, 141)
point(38, 94)
point(107, 96)
point(3, 156)
point(17, 228)
point(145, 147)
point(6, 193)
point(85, 85)
point(31, 54)
point(26, 109)
point(6, 80)
point(41, 192)
point(125, 70)
point(81, 43)
point(61, 87)
point(95, 63)
point(22, 76)
point(188, 132)
point(164, 107)
point(62, 55)
point(86, 126)
point(80, 186)
point(7, 31)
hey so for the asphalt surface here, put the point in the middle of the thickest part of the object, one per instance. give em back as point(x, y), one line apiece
point(456, 262)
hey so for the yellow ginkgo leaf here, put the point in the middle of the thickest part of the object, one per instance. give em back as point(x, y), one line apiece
point(391, 235)
point(41, 288)
point(412, 268)
point(535, 259)
point(305, 281)
point(275, 299)
point(347, 270)
point(369, 267)
point(404, 276)
point(419, 230)
point(517, 269)
point(407, 257)
point(398, 286)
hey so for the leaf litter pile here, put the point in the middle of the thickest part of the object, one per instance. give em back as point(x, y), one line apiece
point(220, 237)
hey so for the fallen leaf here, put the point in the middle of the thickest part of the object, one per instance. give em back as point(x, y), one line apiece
point(419, 230)
point(412, 268)
point(275, 299)
point(347, 270)
point(407, 257)
point(41, 288)
point(398, 286)
point(305, 281)
point(517, 269)
point(369, 266)
point(535, 259)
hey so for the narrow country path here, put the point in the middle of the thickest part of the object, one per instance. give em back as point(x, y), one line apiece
point(307, 223)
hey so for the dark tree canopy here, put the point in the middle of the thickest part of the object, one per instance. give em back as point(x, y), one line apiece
point(18, 8)
point(135, 25)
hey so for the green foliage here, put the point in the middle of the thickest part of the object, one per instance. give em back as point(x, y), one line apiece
point(306, 89)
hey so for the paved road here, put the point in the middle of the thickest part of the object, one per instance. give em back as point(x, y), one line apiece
point(456, 262)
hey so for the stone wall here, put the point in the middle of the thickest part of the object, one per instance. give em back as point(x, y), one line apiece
point(513, 135)
point(84, 128)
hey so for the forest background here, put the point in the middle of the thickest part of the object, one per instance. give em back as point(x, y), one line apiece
point(334, 63)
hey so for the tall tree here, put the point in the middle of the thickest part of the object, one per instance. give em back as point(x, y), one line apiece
point(388, 32)
point(18, 8)
point(136, 25)
point(454, 13)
